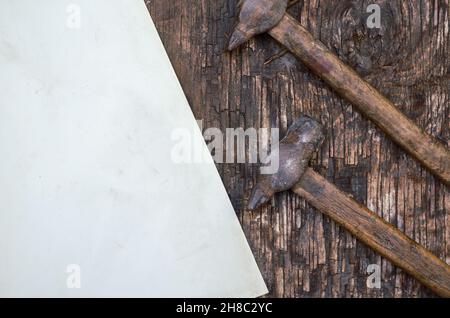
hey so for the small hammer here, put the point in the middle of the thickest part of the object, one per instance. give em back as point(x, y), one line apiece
point(295, 151)
point(260, 16)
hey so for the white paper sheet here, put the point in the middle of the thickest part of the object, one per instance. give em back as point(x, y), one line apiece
point(89, 195)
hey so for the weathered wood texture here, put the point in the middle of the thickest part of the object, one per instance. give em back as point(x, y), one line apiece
point(367, 100)
point(375, 232)
point(300, 252)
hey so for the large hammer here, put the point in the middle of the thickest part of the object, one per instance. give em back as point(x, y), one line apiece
point(295, 151)
point(259, 16)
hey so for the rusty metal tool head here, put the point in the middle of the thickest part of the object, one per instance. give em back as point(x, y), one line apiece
point(303, 139)
point(256, 17)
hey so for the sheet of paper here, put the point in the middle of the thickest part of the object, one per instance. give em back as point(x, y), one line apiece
point(91, 202)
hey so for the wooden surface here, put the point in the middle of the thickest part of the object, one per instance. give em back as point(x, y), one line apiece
point(300, 252)
point(382, 236)
point(364, 97)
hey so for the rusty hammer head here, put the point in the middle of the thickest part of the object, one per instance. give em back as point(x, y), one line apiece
point(256, 16)
point(303, 139)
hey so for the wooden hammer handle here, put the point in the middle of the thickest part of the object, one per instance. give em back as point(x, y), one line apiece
point(431, 153)
point(375, 232)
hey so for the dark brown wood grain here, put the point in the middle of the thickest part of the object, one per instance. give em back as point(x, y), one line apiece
point(375, 232)
point(303, 139)
point(374, 106)
point(300, 252)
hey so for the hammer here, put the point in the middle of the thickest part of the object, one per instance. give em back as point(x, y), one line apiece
point(295, 151)
point(259, 16)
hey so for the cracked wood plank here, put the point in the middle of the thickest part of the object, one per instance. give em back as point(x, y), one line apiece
point(300, 252)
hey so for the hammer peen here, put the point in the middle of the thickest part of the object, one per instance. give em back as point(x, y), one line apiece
point(259, 16)
point(302, 140)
